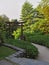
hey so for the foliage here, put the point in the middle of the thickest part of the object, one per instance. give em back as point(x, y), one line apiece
point(29, 16)
point(44, 8)
point(3, 19)
point(46, 12)
point(44, 2)
point(16, 33)
point(42, 26)
point(27, 12)
point(38, 38)
point(31, 50)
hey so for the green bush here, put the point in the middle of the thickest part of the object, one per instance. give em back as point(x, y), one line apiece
point(38, 38)
point(31, 51)
point(16, 33)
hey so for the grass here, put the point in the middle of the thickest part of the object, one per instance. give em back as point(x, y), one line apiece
point(31, 50)
point(5, 51)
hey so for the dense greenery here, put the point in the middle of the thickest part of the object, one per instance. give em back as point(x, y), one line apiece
point(27, 12)
point(36, 28)
point(41, 25)
point(4, 52)
point(16, 34)
point(38, 38)
point(3, 19)
point(37, 32)
point(31, 51)
point(43, 7)
point(29, 15)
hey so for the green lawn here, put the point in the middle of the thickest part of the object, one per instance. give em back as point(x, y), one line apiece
point(5, 51)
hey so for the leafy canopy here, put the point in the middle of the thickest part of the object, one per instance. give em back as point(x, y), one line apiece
point(27, 12)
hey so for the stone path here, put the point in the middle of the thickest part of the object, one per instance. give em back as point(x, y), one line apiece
point(16, 58)
point(43, 53)
point(41, 60)
point(25, 61)
point(5, 62)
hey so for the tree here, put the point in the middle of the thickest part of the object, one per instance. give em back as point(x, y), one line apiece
point(44, 2)
point(44, 8)
point(41, 26)
point(3, 19)
point(27, 12)
point(29, 15)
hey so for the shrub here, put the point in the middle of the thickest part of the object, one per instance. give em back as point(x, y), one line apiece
point(38, 39)
point(31, 51)
point(16, 34)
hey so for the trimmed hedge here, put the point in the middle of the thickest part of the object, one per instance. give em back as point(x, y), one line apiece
point(38, 38)
point(31, 50)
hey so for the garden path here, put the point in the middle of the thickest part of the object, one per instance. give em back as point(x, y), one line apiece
point(43, 58)
point(43, 53)
point(25, 61)
point(6, 62)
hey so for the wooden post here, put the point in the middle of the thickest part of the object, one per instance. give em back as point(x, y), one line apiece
point(22, 37)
